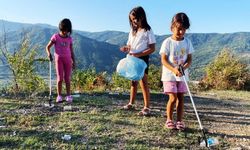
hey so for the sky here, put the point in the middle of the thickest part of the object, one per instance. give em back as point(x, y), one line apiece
point(206, 16)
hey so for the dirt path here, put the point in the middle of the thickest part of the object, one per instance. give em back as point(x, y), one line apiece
point(226, 119)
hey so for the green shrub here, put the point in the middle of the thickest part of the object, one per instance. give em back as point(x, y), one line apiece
point(154, 78)
point(21, 62)
point(119, 82)
point(226, 72)
point(86, 80)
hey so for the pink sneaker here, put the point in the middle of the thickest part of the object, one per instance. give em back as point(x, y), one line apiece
point(59, 99)
point(69, 99)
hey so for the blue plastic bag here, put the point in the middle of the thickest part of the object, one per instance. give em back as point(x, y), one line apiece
point(131, 68)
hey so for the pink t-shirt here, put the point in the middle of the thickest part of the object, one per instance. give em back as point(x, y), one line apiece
point(62, 45)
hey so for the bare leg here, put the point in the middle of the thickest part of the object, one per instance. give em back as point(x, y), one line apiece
point(180, 106)
point(59, 87)
point(145, 90)
point(133, 91)
point(68, 89)
point(170, 105)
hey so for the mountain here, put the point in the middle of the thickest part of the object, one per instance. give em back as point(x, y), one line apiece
point(101, 49)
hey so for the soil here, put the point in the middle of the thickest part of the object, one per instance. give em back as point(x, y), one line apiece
point(227, 119)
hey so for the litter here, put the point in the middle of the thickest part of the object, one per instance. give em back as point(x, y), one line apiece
point(67, 108)
point(66, 137)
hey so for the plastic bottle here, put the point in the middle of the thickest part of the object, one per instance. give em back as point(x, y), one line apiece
point(210, 142)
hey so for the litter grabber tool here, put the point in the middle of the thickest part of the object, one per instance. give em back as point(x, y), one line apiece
point(208, 142)
point(50, 83)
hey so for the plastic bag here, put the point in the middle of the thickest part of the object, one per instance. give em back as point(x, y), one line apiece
point(131, 68)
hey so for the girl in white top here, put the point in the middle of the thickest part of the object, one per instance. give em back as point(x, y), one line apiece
point(176, 51)
point(141, 43)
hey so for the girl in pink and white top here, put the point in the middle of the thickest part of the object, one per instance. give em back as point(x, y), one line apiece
point(176, 51)
point(141, 43)
point(64, 57)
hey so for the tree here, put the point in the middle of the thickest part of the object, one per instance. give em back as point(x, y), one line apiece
point(21, 62)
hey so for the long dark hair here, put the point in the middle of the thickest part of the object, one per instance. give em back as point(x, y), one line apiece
point(140, 15)
point(65, 25)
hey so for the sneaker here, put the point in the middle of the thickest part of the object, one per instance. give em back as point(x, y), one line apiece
point(170, 124)
point(180, 125)
point(69, 99)
point(59, 99)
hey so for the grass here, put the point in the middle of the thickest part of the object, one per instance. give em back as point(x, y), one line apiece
point(236, 95)
point(96, 122)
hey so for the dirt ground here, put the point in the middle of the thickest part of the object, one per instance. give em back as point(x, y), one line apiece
point(227, 119)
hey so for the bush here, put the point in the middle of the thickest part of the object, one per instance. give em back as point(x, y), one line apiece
point(226, 72)
point(86, 80)
point(119, 82)
point(21, 63)
point(154, 78)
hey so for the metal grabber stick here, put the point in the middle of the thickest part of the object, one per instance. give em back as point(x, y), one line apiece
point(50, 82)
point(195, 110)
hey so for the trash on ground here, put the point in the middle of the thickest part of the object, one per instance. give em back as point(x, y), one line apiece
point(66, 137)
point(76, 95)
point(48, 105)
point(210, 142)
point(67, 108)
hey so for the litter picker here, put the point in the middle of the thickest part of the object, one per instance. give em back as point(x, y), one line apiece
point(50, 83)
point(208, 141)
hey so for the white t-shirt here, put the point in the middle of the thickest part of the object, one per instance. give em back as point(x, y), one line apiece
point(177, 52)
point(140, 41)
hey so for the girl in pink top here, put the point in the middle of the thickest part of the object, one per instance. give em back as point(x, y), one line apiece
point(64, 57)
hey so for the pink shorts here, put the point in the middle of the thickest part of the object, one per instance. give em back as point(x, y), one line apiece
point(174, 87)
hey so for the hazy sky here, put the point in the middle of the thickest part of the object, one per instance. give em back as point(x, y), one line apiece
point(206, 16)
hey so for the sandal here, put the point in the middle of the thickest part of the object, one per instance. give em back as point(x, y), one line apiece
point(144, 112)
point(170, 124)
point(129, 106)
point(180, 125)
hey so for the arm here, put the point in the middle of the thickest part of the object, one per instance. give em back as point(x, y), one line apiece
point(48, 49)
point(125, 48)
point(72, 56)
point(146, 52)
point(165, 63)
point(188, 62)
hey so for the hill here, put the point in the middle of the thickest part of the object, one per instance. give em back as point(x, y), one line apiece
point(101, 49)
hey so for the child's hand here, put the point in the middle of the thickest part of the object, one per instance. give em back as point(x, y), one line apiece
point(50, 57)
point(177, 72)
point(125, 49)
point(134, 54)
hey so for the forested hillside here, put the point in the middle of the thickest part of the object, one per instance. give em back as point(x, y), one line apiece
point(101, 49)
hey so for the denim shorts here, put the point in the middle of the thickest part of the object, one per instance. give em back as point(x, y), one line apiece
point(174, 87)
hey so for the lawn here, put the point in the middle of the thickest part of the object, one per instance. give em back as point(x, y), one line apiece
point(97, 121)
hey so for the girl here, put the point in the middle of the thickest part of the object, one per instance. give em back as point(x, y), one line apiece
point(176, 51)
point(141, 43)
point(64, 57)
